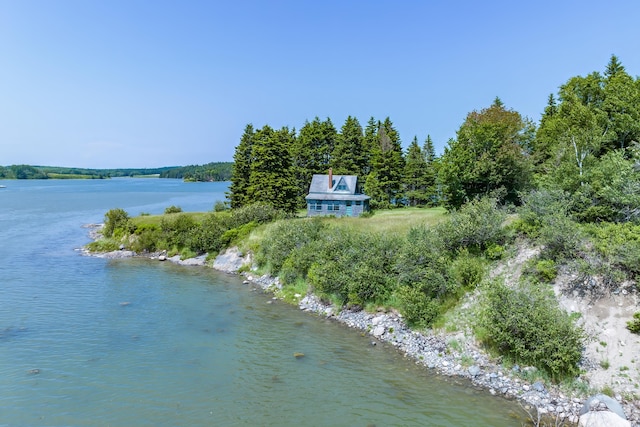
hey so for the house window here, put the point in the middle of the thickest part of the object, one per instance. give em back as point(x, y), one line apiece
point(315, 205)
point(358, 202)
point(342, 186)
point(333, 206)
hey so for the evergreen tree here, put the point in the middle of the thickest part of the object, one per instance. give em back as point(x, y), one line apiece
point(415, 170)
point(431, 173)
point(311, 153)
point(271, 178)
point(384, 183)
point(369, 145)
point(348, 155)
point(241, 169)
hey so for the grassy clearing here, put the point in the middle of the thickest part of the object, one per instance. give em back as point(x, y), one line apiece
point(398, 221)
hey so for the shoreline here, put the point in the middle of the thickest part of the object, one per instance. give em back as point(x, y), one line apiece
point(452, 355)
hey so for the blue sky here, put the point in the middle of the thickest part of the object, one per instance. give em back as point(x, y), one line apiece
point(108, 84)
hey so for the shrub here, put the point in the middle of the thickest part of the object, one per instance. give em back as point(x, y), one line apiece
point(418, 308)
point(495, 252)
point(545, 270)
point(477, 225)
point(207, 237)
point(560, 236)
point(147, 237)
point(177, 230)
point(115, 219)
point(527, 325)
point(634, 325)
point(283, 237)
point(173, 209)
point(220, 206)
point(467, 270)
point(260, 213)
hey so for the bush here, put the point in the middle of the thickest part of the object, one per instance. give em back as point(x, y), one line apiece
point(177, 231)
point(173, 209)
point(466, 270)
point(207, 236)
point(220, 206)
point(116, 219)
point(560, 236)
point(416, 306)
point(634, 325)
point(545, 270)
point(147, 237)
point(527, 325)
point(477, 225)
point(260, 213)
point(283, 237)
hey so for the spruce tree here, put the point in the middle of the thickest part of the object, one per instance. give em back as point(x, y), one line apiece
point(414, 175)
point(385, 182)
point(271, 179)
point(241, 169)
point(348, 157)
point(311, 153)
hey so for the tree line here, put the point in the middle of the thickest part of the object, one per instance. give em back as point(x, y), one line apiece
point(585, 145)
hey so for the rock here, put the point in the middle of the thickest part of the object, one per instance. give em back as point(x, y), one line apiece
point(538, 386)
point(612, 405)
point(378, 331)
point(602, 419)
point(162, 258)
point(33, 371)
point(230, 261)
point(298, 355)
point(474, 370)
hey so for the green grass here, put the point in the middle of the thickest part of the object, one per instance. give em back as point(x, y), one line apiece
point(394, 220)
point(156, 219)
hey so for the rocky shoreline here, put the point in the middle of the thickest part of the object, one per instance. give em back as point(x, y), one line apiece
point(450, 355)
point(466, 360)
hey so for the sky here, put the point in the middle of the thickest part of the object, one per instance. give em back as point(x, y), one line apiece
point(137, 83)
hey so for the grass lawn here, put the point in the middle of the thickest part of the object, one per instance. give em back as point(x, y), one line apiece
point(394, 220)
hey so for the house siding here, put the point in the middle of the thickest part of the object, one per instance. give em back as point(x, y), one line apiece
point(356, 210)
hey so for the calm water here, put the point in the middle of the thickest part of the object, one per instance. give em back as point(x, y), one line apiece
point(192, 347)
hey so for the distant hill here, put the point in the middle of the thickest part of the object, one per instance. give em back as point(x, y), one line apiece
point(216, 171)
point(220, 171)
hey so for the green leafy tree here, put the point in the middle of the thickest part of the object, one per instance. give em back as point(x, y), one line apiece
point(241, 169)
point(489, 157)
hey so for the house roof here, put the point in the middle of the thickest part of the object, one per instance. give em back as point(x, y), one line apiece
point(343, 187)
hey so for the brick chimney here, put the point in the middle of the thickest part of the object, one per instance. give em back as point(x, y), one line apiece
point(330, 178)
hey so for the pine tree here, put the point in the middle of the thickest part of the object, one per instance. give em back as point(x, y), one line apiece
point(414, 175)
point(311, 153)
point(348, 157)
point(241, 169)
point(387, 168)
point(271, 179)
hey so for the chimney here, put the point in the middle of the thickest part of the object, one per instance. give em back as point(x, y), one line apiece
point(330, 178)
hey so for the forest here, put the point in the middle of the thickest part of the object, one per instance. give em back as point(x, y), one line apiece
point(219, 171)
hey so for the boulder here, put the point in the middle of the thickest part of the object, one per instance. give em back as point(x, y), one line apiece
point(602, 419)
point(598, 403)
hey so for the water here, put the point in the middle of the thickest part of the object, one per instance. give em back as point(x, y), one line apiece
point(141, 343)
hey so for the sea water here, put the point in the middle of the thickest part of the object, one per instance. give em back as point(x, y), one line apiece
point(132, 342)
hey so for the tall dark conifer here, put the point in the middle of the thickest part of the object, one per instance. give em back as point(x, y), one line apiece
point(348, 156)
point(241, 169)
point(272, 180)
